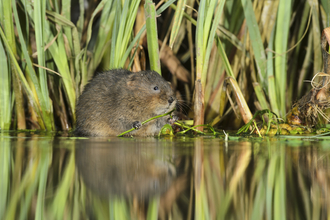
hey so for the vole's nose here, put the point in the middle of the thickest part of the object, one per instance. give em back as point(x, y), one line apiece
point(170, 100)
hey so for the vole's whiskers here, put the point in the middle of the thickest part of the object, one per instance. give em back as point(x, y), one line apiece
point(182, 106)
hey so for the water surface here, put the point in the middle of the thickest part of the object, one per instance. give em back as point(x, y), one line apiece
point(56, 177)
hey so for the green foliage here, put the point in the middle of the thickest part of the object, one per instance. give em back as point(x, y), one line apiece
point(260, 44)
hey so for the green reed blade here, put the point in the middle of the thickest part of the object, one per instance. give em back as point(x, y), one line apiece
point(208, 20)
point(5, 91)
point(120, 32)
point(318, 60)
point(224, 58)
point(112, 63)
point(124, 32)
point(260, 95)
point(256, 41)
point(102, 209)
point(90, 24)
point(8, 24)
point(1, 10)
point(121, 19)
point(177, 20)
point(199, 40)
point(120, 208)
point(273, 92)
point(130, 47)
point(153, 208)
point(80, 22)
point(8, 29)
point(104, 34)
point(39, 20)
point(129, 25)
point(211, 31)
point(281, 44)
point(152, 36)
point(66, 12)
point(326, 6)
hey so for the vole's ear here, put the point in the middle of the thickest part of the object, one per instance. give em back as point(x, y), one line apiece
point(171, 85)
point(131, 80)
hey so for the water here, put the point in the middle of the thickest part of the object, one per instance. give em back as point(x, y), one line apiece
point(47, 177)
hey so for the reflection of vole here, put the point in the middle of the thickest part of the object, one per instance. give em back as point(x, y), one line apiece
point(123, 169)
point(118, 100)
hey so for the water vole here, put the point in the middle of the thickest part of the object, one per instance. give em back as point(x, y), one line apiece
point(118, 100)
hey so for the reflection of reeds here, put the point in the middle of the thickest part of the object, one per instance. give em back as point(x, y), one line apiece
point(5, 155)
point(264, 179)
point(245, 184)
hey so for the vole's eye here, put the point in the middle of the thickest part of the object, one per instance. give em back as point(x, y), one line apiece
point(156, 88)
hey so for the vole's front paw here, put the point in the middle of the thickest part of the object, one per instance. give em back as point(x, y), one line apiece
point(137, 124)
point(173, 119)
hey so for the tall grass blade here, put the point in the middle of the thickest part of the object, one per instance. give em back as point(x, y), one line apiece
point(272, 89)
point(317, 61)
point(153, 208)
point(326, 6)
point(120, 208)
point(66, 12)
point(281, 43)
point(224, 58)
point(120, 32)
point(104, 34)
point(256, 41)
point(39, 20)
point(177, 20)
point(5, 91)
point(261, 96)
point(152, 36)
point(211, 30)
point(8, 29)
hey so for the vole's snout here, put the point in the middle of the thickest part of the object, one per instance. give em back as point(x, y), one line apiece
point(171, 100)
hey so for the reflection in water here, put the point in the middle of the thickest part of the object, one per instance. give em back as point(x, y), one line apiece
point(123, 168)
point(50, 177)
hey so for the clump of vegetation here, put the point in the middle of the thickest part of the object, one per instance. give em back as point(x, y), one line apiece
point(50, 49)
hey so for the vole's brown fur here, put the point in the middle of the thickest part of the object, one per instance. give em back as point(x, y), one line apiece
point(118, 100)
